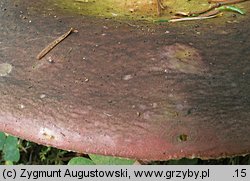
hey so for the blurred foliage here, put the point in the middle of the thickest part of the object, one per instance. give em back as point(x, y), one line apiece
point(2, 140)
point(100, 160)
point(81, 161)
point(9, 148)
point(17, 151)
point(109, 160)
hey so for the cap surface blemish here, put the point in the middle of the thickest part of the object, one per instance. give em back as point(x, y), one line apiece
point(5, 69)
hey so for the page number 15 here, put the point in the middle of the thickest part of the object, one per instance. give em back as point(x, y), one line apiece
point(241, 172)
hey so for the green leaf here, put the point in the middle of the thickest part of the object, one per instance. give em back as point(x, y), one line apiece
point(231, 8)
point(44, 152)
point(80, 161)
point(2, 140)
point(9, 163)
point(109, 160)
point(10, 149)
point(183, 161)
point(161, 21)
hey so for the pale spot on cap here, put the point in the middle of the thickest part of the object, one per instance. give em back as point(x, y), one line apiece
point(5, 69)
